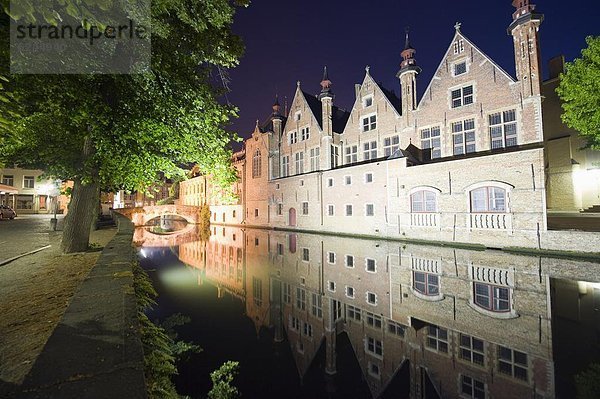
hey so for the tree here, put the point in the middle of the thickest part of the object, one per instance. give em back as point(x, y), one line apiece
point(119, 131)
point(579, 91)
point(222, 380)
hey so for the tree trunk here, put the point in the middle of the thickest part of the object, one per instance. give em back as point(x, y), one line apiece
point(83, 208)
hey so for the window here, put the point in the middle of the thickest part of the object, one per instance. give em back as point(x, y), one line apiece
point(233, 213)
point(293, 137)
point(301, 298)
point(460, 68)
point(314, 158)
point(368, 177)
point(256, 161)
point(459, 46)
point(256, 212)
point(371, 298)
point(348, 210)
point(472, 388)
point(462, 96)
point(255, 240)
point(285, 166)
point(330, 182)
point(305, 254)
point(350, 292)
point(369, 123)
point(463, 136)
point(471, 349)
point(491, 297)
point(330, 210)
point(301, 182)
point(430, 139)
point(279, 249)
point(503, 129)
point(317, 305)
point(331, 257)
point(307, 329)
point(257, 291)
point(335, 156)
point(396, 329)
point(369, 210)
point(348, 180)
point(331, 286)
point(370, 150)
point(370, 265)
point(437, 338)
point(277, 186)
point(28, 181)
point(299, 162)
point(423, 201)
point(374, 346)
point(353, 313)
point(287, 293)
point(294, 323)
point(373, 320)
point(351, 154)
point(367, 101)
point(8, 180)
point(488, 199)
point(374, 370)
point(512, 362)
point(391, 145)
point(426, 283)
point(305, 208)
point(280, 209)
point(304, 133)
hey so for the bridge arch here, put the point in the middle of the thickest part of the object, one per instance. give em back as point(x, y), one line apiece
point(142, 215)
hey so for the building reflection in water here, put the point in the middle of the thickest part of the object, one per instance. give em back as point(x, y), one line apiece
point(450, 322)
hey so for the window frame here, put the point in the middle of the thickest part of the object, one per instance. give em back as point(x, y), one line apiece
point(503, 125)
point(463, 96)
point(428, 142)
point(492, 297)
point(371, 123)
point(422, 191)
point(462, 133)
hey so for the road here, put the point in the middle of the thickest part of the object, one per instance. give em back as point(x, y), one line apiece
point(23, 234)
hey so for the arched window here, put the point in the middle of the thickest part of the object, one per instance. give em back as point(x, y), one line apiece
point(423, 201)
point(491, 297)
point(488, 199)
point(426, 283)
point(256, 161)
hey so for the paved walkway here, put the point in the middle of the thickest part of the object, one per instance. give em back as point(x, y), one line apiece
point(574, 221)
point(25, 233)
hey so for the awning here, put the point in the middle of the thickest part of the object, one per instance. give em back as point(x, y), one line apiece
point(4, 189)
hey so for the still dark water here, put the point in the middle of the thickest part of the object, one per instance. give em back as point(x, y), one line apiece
point(311, 316)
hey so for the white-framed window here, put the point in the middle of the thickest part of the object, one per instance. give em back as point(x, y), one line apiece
point(287, 293)
point(314, 158)
point(293, 137)
point(472, 349)
point(330, 182)
point(304, 133)
point(423, 201)
point(370, 265)
point(373, 320)
point(369, 210)
point(462, 96)
point(294, 323)
point(349, 261)
point(374, 370)
point(348, 210)
point(331, 286)
point(331, 258)
point(471, 387)
point(305, 208)
point(430, 139)
point(369, 177)
point(488, 199)
point(28, 181)
point(513, 363)
point(348, 180)
point(256, 164)
point(285, 166)
point(374, 346)
point(307, 329)
point(459, 46)
point(330, 210)
point(367, 101)
point(354, 313)
point(317, 305)
point(396, 329)
point(437, 338)
point(369, 123)
point(335, 156)
point(491, 297)
point(351, 154)
point(300, 298)
point(298, 115)
point(391, 145)
point(371, 298)
point(299, 162)
point(370, 150)
point(459, 68)
point(8, 180)
point(305, 254)
point(257, 291)
point(503, 128)
point(463, 136)
point(350, 292)
point(426, 283)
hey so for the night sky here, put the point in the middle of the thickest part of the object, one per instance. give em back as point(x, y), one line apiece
point(287, 41)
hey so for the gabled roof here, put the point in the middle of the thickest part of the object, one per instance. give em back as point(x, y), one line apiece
point(459, 34)
point(392, 98)
point(339, 116)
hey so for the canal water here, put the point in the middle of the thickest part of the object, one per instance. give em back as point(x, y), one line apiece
point(320, 316)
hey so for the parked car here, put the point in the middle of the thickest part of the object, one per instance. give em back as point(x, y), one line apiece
point(6, 212)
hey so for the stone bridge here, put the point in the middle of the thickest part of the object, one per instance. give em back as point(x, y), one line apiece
point(144, 237)
point(142, 215)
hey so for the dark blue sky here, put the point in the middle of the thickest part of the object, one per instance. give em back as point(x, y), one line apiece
point(290, 40)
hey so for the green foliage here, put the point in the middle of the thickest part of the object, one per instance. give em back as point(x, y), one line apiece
point(588, 382)
point(181, 350)
point(222, 380)
point(579, 91)
point(204, 220)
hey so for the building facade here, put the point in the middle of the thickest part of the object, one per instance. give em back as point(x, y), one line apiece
point(27, 191)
